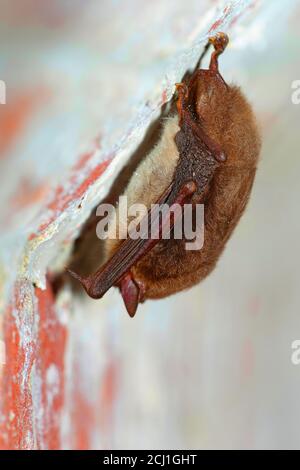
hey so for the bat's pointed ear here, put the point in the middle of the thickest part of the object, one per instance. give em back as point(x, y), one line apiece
point(130, 293)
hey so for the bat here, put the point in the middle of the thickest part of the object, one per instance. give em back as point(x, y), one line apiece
point(207, 154)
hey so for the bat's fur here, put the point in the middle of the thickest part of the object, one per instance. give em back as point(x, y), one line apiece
point(221, 117)
point(227, 117)
point(152, 176)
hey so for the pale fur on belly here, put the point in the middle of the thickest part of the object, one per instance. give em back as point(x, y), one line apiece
point(151, 178)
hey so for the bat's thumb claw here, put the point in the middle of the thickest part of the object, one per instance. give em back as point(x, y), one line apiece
point(79, 278)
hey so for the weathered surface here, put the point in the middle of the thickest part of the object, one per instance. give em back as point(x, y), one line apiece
point(83, 84)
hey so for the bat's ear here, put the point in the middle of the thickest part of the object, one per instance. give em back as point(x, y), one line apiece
point(130, 293)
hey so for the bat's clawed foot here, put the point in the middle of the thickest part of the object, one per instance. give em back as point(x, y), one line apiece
point(220, 42)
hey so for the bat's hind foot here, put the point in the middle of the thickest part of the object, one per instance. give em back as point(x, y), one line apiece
point(220, 42)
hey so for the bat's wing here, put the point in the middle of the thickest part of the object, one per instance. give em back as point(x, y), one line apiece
point(152, 228)
point(195, 169)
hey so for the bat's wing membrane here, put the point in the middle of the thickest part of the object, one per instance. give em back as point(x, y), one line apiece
point(153, 226)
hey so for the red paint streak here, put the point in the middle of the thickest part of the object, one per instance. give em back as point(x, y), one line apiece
point(93, 176)
point(52, 337)
point(216, 25)
point(32, 338)
point(85, 157)
point(16, 408)
point(62, 199)
point(83, 160)
point(16, 113)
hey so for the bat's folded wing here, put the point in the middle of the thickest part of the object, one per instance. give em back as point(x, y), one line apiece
point(152, 227)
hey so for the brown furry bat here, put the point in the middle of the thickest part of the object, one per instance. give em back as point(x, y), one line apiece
point(207, 154)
